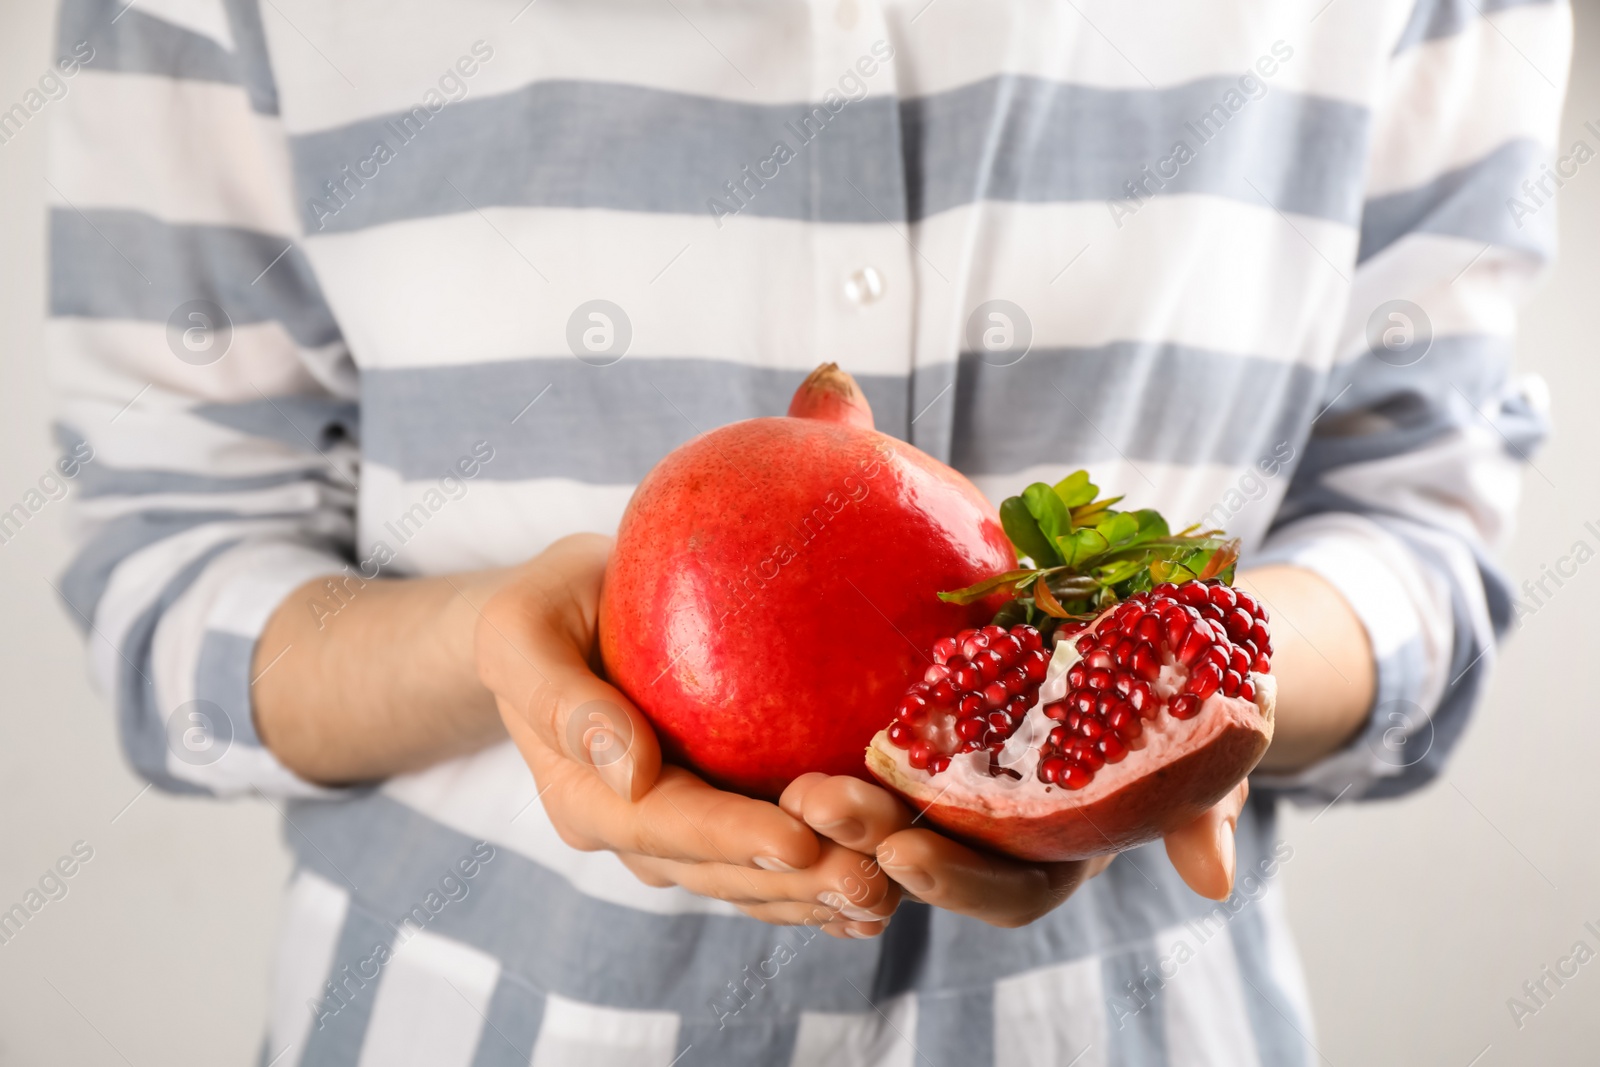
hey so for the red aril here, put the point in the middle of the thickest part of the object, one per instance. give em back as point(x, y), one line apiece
point(1141, 725)
point(772, 590)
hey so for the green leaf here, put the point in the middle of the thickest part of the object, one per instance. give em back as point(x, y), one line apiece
point(1118, 528)
point(1082, 545)
point(992, 584)
point(1046, 507)
point(1075, 490)
point(1151, 524)
point(1170, 571)
point(1023, 529)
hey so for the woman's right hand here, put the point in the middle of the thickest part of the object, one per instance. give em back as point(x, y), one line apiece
point(599, 773)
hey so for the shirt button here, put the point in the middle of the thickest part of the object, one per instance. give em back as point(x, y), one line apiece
point(864, 286)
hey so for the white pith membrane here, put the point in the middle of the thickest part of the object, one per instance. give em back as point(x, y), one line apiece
point(967, 782)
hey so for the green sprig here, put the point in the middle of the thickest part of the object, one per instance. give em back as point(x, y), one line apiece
point(1082, 556)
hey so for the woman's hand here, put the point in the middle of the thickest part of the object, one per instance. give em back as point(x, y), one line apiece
point(996, 889)
point(599, 772)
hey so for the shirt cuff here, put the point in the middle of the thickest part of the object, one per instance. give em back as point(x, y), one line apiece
point(1406, 611)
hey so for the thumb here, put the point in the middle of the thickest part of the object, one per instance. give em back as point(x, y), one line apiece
point(1203, 851)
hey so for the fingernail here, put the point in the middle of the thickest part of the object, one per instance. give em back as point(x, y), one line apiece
point(913, 878)
point(842, 830)
point(773, 863)
point(834, 902)
point(850, 911)
point(1229, 852)
point(616, 773)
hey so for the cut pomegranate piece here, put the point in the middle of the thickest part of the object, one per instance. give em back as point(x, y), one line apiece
point(1141, 724)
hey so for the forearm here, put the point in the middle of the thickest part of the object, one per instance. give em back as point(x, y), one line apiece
point(1323, 663)
point(385, 684)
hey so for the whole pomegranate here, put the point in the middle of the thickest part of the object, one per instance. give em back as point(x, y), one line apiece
point(772, 590)
point(1154, 703)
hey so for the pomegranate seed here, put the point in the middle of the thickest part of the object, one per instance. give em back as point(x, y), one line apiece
point(1036, 664)
point(974, 644)
point(1099, 679)
point(1074, 718)
point(1008, 647)
point(969, 746)
point(1183, 707)
point(1101, 659)
point(1263, 663)
point(969, 704)
point(964, 636)
point(1051, 769)
point(1032, 640)
point(1194, 646)
point(1211, 611)
point(999, 721)
point(1082, 701)
point(1077, 675)
point(1237, 622)
point(1217, 654)
point(943, 693)
point(1165, 589)
point(1222, 596)
point(1112, 748)
point(1193, 594)
point(900, 734)
point(1146, 662)
point(966, 676)
point(1247, 689)
point(1076, 775)
point(994, 632)
point(994, 695)
point(1142, 700)
point(936, 674)
point(1148, 630)
point(1126, 723)
point(1239, 660)
point(943, 649)
point(919, 754)
point(1089, 756)
point(1177, 628)
point(991, 662)
point(971, 729)
point(1123, 653)
point(1135, 612)
point(1090, 729)
point(1204, 681)
point(1015, 679)
point(1248, 602)
point(1056, 709)
point(1231, 680)
point(1085, 644)
point(911, 704)
point(938, 763)
point(1123, 682)
point(1263, 639)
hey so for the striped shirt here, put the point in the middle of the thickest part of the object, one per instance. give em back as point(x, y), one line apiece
point(350, 288)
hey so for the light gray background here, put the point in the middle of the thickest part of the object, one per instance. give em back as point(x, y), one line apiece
point(1417, 919)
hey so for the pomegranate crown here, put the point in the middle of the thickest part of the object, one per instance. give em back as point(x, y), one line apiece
point(1085, 556)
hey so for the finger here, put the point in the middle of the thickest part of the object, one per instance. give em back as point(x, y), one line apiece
point(681, 818)
point(845, 883)
point(856, 814)
point(1203, 852)
point(536, 645)
point(999, 891)
point(793, 914)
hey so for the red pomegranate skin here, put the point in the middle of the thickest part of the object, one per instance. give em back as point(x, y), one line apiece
point(772, 590)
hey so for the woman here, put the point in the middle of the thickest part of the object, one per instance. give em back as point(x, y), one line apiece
point(372, 319)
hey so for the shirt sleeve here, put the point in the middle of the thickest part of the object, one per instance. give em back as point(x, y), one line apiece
point(1408, 483)
point(207, 399)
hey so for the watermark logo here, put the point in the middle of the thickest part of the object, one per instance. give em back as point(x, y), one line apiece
point(199, 332)
point(601, 730)
point(1399, 333)
point(199, 733)
point(1000, 333)
point(599, 333)
point(1407, 737)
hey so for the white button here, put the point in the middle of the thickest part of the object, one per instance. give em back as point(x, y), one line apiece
point(846, 14)
point(864, 286)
